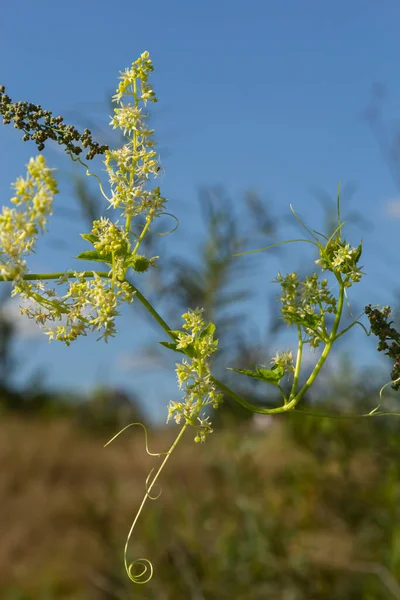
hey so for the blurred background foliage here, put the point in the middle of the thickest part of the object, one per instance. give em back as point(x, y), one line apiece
point(295, 508)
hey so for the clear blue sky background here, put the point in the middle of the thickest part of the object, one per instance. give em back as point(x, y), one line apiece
point(268, 95)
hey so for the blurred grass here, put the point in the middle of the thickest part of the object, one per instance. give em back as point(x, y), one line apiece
point(307, 509)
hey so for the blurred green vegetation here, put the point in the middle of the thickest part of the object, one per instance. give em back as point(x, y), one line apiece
point(292, 507)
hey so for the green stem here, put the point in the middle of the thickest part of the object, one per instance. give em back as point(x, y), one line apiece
point(298, 364)
point(47, 276)
point(151, 310)
point(322, 313)
point(144, 231)
point(325, 351)
point(282, 391)
point(134, 149)
point(46, 303)
point(251, 407)
point(357, 322)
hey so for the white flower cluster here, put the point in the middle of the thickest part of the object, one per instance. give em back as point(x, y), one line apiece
point(194, 375)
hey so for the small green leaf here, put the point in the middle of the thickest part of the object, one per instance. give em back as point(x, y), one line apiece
point(95, 255)
point(175, 332)
point(358, 254)
point(170, 346)
point(189, 351)
point(90, 237)
point(209, 330)
point(273, 375)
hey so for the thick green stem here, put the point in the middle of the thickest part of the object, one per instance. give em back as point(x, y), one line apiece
point(47, 276)
point(151, 310)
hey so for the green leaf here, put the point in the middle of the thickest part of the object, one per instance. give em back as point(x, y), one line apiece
point(358, 254)
point(175, 332)
point(90, 237)
point(95, 255)
point(170, 346)
point(273, 375)
point(189, 351)
point(209, 330)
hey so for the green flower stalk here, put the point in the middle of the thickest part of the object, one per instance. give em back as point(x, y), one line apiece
point(130, 167)
point(194, 375)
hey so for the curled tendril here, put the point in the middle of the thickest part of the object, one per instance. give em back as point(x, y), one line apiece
point(145, 437)
point(90, 174)
point(375, 412)
point(162, 232)
point(146, 568)
point(169, 230)
point(150, 485)
point(381, 397)
point(356, 322)
point(146, 571)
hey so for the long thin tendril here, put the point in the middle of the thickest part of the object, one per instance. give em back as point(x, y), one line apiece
point(90, 174)
point(169, 230)
point(375, 412)
point(142, 566)
point(145, 437)
point(275, 245)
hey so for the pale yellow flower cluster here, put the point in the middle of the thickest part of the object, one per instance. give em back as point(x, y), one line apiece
point(139, 70)
point(194, 376)
point(20, 226)
point(284, 360)
point(108, 237)
point(91, 300)
point(339, 257)
point(90, 304)
point(130, 167)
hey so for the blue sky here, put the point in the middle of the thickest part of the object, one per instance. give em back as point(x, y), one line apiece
point(267, 95)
